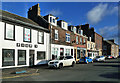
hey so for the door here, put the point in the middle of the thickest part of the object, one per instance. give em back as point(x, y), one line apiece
point(31, 57)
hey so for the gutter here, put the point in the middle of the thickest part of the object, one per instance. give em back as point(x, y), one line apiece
point(24, 23)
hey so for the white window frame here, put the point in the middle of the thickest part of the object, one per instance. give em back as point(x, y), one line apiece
point(67, 37)
point(56, 34)
point(40, 36)
point(9, 32)
point(77, 40)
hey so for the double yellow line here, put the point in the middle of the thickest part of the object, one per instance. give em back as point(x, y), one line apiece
point(20, 76)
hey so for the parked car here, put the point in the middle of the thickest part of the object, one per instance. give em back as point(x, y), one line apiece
point(99, 58)
point(109, 57)
point(85, 60)
point(62, 61)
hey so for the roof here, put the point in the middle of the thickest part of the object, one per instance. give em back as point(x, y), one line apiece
point(110, 42)
point(22, 20)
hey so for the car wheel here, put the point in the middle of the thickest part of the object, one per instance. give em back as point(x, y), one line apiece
point(73, 63)
point(60, 66)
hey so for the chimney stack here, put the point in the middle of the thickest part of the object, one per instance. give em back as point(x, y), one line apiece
point(34, 11)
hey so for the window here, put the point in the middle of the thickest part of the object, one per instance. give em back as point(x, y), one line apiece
point(84, 40)
point(54, 53)
point(67, 37)
point(27, 35)
point(76, 39)
point(81, 40)
point(21, 57)
point(71, 28)
point(88, 45)
point(8, 57)
point(53, 20)
point(9, 32)
point(56, 34)
point(67, 52)
point(40, 55)
point(63, 24)
point(40, 37)
point(81, 32)
point(50, 19)
point(74, 29)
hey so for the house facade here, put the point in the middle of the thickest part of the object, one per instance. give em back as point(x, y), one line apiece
point(65, 40)
point(95, 37)
point(79, 43)
point(91, 49)
point(23, 42)
point(110, 48)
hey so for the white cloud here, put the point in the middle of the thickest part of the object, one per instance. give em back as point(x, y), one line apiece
point(55, 12)
point(113, 10)
point(96, 14)
point(110, 32)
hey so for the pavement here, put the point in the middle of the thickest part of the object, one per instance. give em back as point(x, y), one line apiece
point(107, 71)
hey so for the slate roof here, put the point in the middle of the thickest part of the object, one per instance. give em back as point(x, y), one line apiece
point(5, 14)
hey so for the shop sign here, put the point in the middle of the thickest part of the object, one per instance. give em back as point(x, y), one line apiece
point(26, 45)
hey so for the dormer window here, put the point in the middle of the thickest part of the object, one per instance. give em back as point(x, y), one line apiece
point(63, 24)
point(81, 32)
point(53, 20)
point(50, 19)
point(74, 30)
point(71, 28)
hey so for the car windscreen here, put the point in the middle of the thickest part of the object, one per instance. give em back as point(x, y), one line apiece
point(68, 57)
point(97, 56)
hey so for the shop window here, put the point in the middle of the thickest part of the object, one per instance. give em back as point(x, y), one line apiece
point(8, 58)
point(56, 34)
point(54, 53)
point(67, 53)
point(27, 35)
point(67, 37)
point(40, 55)
point(40, 37)
point(21, 57)
point(9, 32)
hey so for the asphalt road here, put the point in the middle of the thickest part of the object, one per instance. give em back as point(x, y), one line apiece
point(96, 71)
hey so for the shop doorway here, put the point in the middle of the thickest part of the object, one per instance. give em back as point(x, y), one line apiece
point(31, 57)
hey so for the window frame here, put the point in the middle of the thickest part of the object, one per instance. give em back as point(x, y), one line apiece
point(67, 37)
point(81, 40)
point(41, 52)
point(18, 57)
point(57, 34)
point(24, 34)
point(12, 57)
point(42, 38)
point(13, 32)
point(77, 42)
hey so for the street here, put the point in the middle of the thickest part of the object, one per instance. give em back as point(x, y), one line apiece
point(96, 71)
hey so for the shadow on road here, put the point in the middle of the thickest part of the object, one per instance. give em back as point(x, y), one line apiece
point(108, 65)
point(114, 75)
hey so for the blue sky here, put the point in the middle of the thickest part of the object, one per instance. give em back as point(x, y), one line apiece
point(103, 16)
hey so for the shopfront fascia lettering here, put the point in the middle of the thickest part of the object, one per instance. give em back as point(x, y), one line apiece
point(26, 45)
